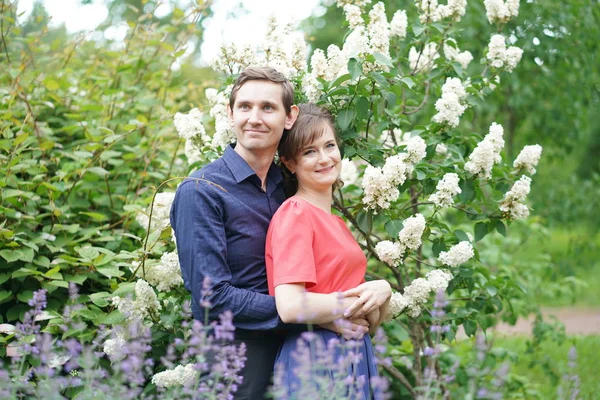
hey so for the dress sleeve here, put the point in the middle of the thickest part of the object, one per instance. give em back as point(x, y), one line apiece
point(291, 239)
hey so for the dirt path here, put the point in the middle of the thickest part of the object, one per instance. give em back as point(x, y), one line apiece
point(578, 321)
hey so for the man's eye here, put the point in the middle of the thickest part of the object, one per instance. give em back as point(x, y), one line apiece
point(268, 108)
point(243, 106)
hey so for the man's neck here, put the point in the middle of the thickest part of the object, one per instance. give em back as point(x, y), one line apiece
point(260, 162)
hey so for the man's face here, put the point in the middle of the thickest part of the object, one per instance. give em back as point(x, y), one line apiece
point(259, 118)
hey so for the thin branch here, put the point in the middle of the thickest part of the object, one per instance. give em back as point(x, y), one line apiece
point(420, 106)
point(400, 377)
point(420, 261)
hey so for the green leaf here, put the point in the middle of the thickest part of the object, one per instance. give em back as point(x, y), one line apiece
point(95, 216)
point(110, 272)
point(340, 80)
point(100, 298)
point(383, 60)
point(51, 84)
point(25, 296)
point(345, 118)
point(88, 253)
point(124, 289)
point(61, 284)
point(408, 81)
point(4, 278)
point(354, 68)
point(500, 227)
point(480, 231)
point(393, 227)
point(5, 295)
point(380, 79)
point(461, 235)
point(418, 29)
point(438, 246)
point(101, 172)
point(113, 318)
point(365, 221)
point(491, 289)
point(11, 255)
point(470, 327)
point(362, 107)
point(467, 190)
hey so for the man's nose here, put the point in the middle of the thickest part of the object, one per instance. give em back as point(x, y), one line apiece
point(254, 117)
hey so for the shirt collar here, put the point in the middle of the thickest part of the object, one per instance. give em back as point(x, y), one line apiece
point(242, 171)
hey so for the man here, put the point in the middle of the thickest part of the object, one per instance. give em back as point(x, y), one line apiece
point(221, 220)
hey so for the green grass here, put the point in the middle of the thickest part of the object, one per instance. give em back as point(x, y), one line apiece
point(572, 253)
point(546, 367)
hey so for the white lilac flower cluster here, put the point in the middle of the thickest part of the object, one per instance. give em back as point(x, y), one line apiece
point(452, 104)
point(487, 153)
point(399, 24)
point(431, 11)
point(446, 189)
point(218, 102)
point(286, 55)
point(145, 302)
point(501, 10)
point(457, 255)
point(164, 274)
point(528, 158)
point(501, 56)
point(160, 212)
point(512, 205)
point(113, 347)
point(380, 185)
point(179, 376)
point(349, 174)
point(362, 40)
point(408, 238)
point(423, 60)
point(189, 126)
point(417, 293)
point(452, 53)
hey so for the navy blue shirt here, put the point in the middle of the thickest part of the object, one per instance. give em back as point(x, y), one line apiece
point(220, 221)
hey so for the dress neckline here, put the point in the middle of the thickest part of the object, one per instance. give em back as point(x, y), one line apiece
point(296, 197)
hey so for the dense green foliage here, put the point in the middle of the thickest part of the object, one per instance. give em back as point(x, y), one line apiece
point(86, 132)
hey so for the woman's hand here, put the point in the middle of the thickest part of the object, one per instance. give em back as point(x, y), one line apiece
point(371, 296)
point(349, 328)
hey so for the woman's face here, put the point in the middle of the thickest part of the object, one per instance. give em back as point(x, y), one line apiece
point(318, 165)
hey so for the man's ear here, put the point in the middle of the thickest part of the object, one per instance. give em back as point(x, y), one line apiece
point(289, 164)
point(291, 117)
point(229, 113)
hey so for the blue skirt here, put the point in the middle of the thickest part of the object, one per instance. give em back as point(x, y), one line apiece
point(320, 364)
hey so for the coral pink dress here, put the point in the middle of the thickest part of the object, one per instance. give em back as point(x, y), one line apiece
point(307, 244)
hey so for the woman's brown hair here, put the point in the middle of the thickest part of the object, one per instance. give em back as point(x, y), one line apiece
point(311, 123)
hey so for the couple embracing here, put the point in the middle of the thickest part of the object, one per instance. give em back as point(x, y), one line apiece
point(264, 236)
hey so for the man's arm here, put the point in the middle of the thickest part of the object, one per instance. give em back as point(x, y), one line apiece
point(197, 218)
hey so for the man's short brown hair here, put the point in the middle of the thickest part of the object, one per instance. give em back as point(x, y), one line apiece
point(265, 74)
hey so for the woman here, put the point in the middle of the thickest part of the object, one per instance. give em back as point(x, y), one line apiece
point(311, 255)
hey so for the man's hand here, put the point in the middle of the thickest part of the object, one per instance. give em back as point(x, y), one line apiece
point(371, 295)
point(348, 328)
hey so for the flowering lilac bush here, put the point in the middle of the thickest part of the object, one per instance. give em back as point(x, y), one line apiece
point(422, 188)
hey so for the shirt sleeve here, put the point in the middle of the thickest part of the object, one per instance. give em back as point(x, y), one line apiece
point(292, 246)
point(197, 219)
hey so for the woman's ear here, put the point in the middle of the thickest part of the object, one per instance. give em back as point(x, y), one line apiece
point(289, 164)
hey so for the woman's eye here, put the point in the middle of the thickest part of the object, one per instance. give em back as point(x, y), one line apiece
point(308, 152)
